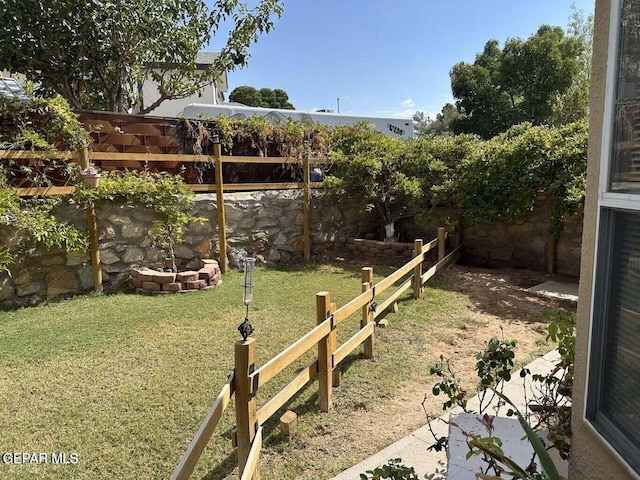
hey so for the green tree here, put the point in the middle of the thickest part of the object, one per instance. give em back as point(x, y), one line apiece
point(573, 104)
point(440, 126)
point(268, 98)
point(282, 99)
point(96, 53)
point(265, 97)
point(519, 83)
point(246, 95)
point(373, 171)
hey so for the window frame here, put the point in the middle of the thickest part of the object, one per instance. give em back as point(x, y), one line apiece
point(608, 203)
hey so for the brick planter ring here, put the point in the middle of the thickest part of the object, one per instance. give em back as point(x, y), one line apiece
point(153, 282)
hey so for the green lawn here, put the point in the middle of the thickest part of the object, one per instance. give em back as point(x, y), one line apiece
point(124, 380)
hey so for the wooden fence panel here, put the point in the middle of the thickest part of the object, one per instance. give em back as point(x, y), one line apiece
point(289, 355)
point(251, 468)
point(307, 374)
point(190, 458)
point(249, 420)
point(350, 345)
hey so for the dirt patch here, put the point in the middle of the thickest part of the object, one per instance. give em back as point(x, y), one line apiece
point(497, 304)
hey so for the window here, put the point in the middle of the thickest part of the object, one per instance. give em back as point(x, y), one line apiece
point(613, 396)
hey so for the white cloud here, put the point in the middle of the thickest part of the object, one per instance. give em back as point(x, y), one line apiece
point(408, 103)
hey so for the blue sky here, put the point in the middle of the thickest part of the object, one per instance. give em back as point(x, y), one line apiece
point(385, 58)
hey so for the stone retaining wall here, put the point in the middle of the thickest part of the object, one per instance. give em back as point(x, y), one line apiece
point(266, 224)
point(390, 253)
point(524, 243)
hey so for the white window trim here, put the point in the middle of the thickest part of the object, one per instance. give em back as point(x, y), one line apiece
point(607, 199)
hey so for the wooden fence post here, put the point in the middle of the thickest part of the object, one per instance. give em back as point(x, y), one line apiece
point(325, 355)
point(552, 254)
point(417, 270)
point(92, 227)
point(336, 378)
point(246, 417)
point(222, 228)
point(367, 314)
point(442, 238)
point(306, 211)
point(457, 239)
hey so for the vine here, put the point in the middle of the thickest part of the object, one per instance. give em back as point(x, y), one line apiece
point(163, 193)
point(38, 125)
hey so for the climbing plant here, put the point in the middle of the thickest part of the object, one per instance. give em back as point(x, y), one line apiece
point(167, 195)
point(38, 125)
point(501, 177)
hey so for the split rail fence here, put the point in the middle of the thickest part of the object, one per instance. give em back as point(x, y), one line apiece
point(85, 158)
point(245, 380)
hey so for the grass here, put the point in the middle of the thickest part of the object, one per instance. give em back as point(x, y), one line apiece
point(125, 380)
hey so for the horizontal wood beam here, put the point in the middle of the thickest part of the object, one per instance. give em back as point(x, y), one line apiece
point(254, 455)
point(350, 345)
point(386, 282)
point(150, 157)
point(445, 262)
point(353, 306)
point(190, 458)
point(289, 355)
point(272, 405)
point(201, 187)
point(185, 158)
point(432, 244)
point(44, 191)
point(248, 187)
point(28, 154)
point(158, 157)
point(383, 305)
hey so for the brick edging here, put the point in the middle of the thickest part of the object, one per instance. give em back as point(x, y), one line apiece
point(154, 282)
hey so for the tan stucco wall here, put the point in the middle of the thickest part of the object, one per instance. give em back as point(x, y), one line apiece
point(591, 459)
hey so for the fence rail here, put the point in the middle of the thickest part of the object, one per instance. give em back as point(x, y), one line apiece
point(247, 380)
point(85, 158)
point(196, 447)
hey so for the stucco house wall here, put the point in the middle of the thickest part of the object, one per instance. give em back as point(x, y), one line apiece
point(591, 457)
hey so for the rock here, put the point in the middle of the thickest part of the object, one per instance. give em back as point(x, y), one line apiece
point(52, 260)
point(164, 277)
point(188, 276)
point(61, 281)
point(133, 230)
point(151, 286)
point(133, 255)
point(172, 287)
point(28, 289)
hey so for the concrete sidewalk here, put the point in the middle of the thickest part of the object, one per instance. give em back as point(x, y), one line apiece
point(412, 449)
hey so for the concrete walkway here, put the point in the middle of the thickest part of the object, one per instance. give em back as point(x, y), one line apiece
point(412, 449)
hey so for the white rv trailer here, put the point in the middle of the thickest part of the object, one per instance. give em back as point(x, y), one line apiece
point(393, 126)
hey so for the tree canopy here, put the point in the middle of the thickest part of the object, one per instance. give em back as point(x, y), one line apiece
point(440, 126)
point(519, 83)
point(97, 53)
point(483, 180)
point(265, 97)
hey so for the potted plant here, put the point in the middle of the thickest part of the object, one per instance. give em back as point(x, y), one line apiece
point(90, 176)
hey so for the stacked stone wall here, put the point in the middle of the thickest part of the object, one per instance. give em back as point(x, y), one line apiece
point(267, 225)
point(386, 253)
point(524, 243)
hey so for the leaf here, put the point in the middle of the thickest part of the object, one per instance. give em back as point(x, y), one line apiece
point(545, 460)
